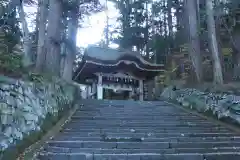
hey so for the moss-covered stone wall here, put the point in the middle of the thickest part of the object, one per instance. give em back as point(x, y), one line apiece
point(222, 105)
point(28, 110)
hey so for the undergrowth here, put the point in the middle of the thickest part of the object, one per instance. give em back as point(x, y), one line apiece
point(10, 64)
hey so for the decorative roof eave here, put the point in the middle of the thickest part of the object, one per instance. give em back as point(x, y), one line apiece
point(127, 63)
point(141, 58)
point(119, 62)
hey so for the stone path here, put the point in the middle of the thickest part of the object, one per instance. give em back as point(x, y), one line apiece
point(129, 130)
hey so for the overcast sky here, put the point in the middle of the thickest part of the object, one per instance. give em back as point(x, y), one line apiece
point(93, 29)
point(97, 23)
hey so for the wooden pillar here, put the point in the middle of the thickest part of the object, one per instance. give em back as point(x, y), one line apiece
point(141, 90)
point(85, 93)
point(88, 91)
point(99, 87)
point(131, 94)
point(94, 89)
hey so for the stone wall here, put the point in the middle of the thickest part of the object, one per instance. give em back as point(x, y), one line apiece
point(222, 105)
point(25, 105)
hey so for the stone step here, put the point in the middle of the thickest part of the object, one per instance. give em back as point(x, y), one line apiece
point(145, 113)
point(149, 139)
point(164, 125)
point(133, 116)
point(157, 118)
point(129, 130)
point(191, 130)
point(129, 107)
point(142, 156)
point(205, 145)
point(137, 151)
point(120, 106)
point(160, 111)
point(109, 145)
point(170, 128)
point(140, 135)
point(141, 145)
point(222, 156)
point(124, 107)
point(164, 109)
point(163, 132)
point(141, 121)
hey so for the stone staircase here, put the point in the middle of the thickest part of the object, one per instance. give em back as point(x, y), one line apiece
point(130, 130)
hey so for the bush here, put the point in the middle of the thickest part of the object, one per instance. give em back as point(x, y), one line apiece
point(11, 64)
point(35, 77)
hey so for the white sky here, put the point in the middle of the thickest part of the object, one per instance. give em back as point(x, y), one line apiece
point(92, 32)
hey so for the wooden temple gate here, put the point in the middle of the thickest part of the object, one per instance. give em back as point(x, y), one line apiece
point(117, 71)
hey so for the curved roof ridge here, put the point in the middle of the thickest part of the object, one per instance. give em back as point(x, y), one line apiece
point(114, 54)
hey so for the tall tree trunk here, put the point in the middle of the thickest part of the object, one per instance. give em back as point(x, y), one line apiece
point(182, 22)
point(165, 25)
point(52, 65)
point(71, 50)
point(198, 12)
point(126, 24)
point(236, 54)
point(170, 23)
point(146, 36)
point(41, 34)
point(27, 44)
point(63, 57)
point(217, 68)
point(194, 42)
point(179, 15)
point(218, 22)
point(107, 25)
point(64, 44)
point(37, 19)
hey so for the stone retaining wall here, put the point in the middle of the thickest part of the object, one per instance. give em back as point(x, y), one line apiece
point(222, 105)
point(25, 105)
